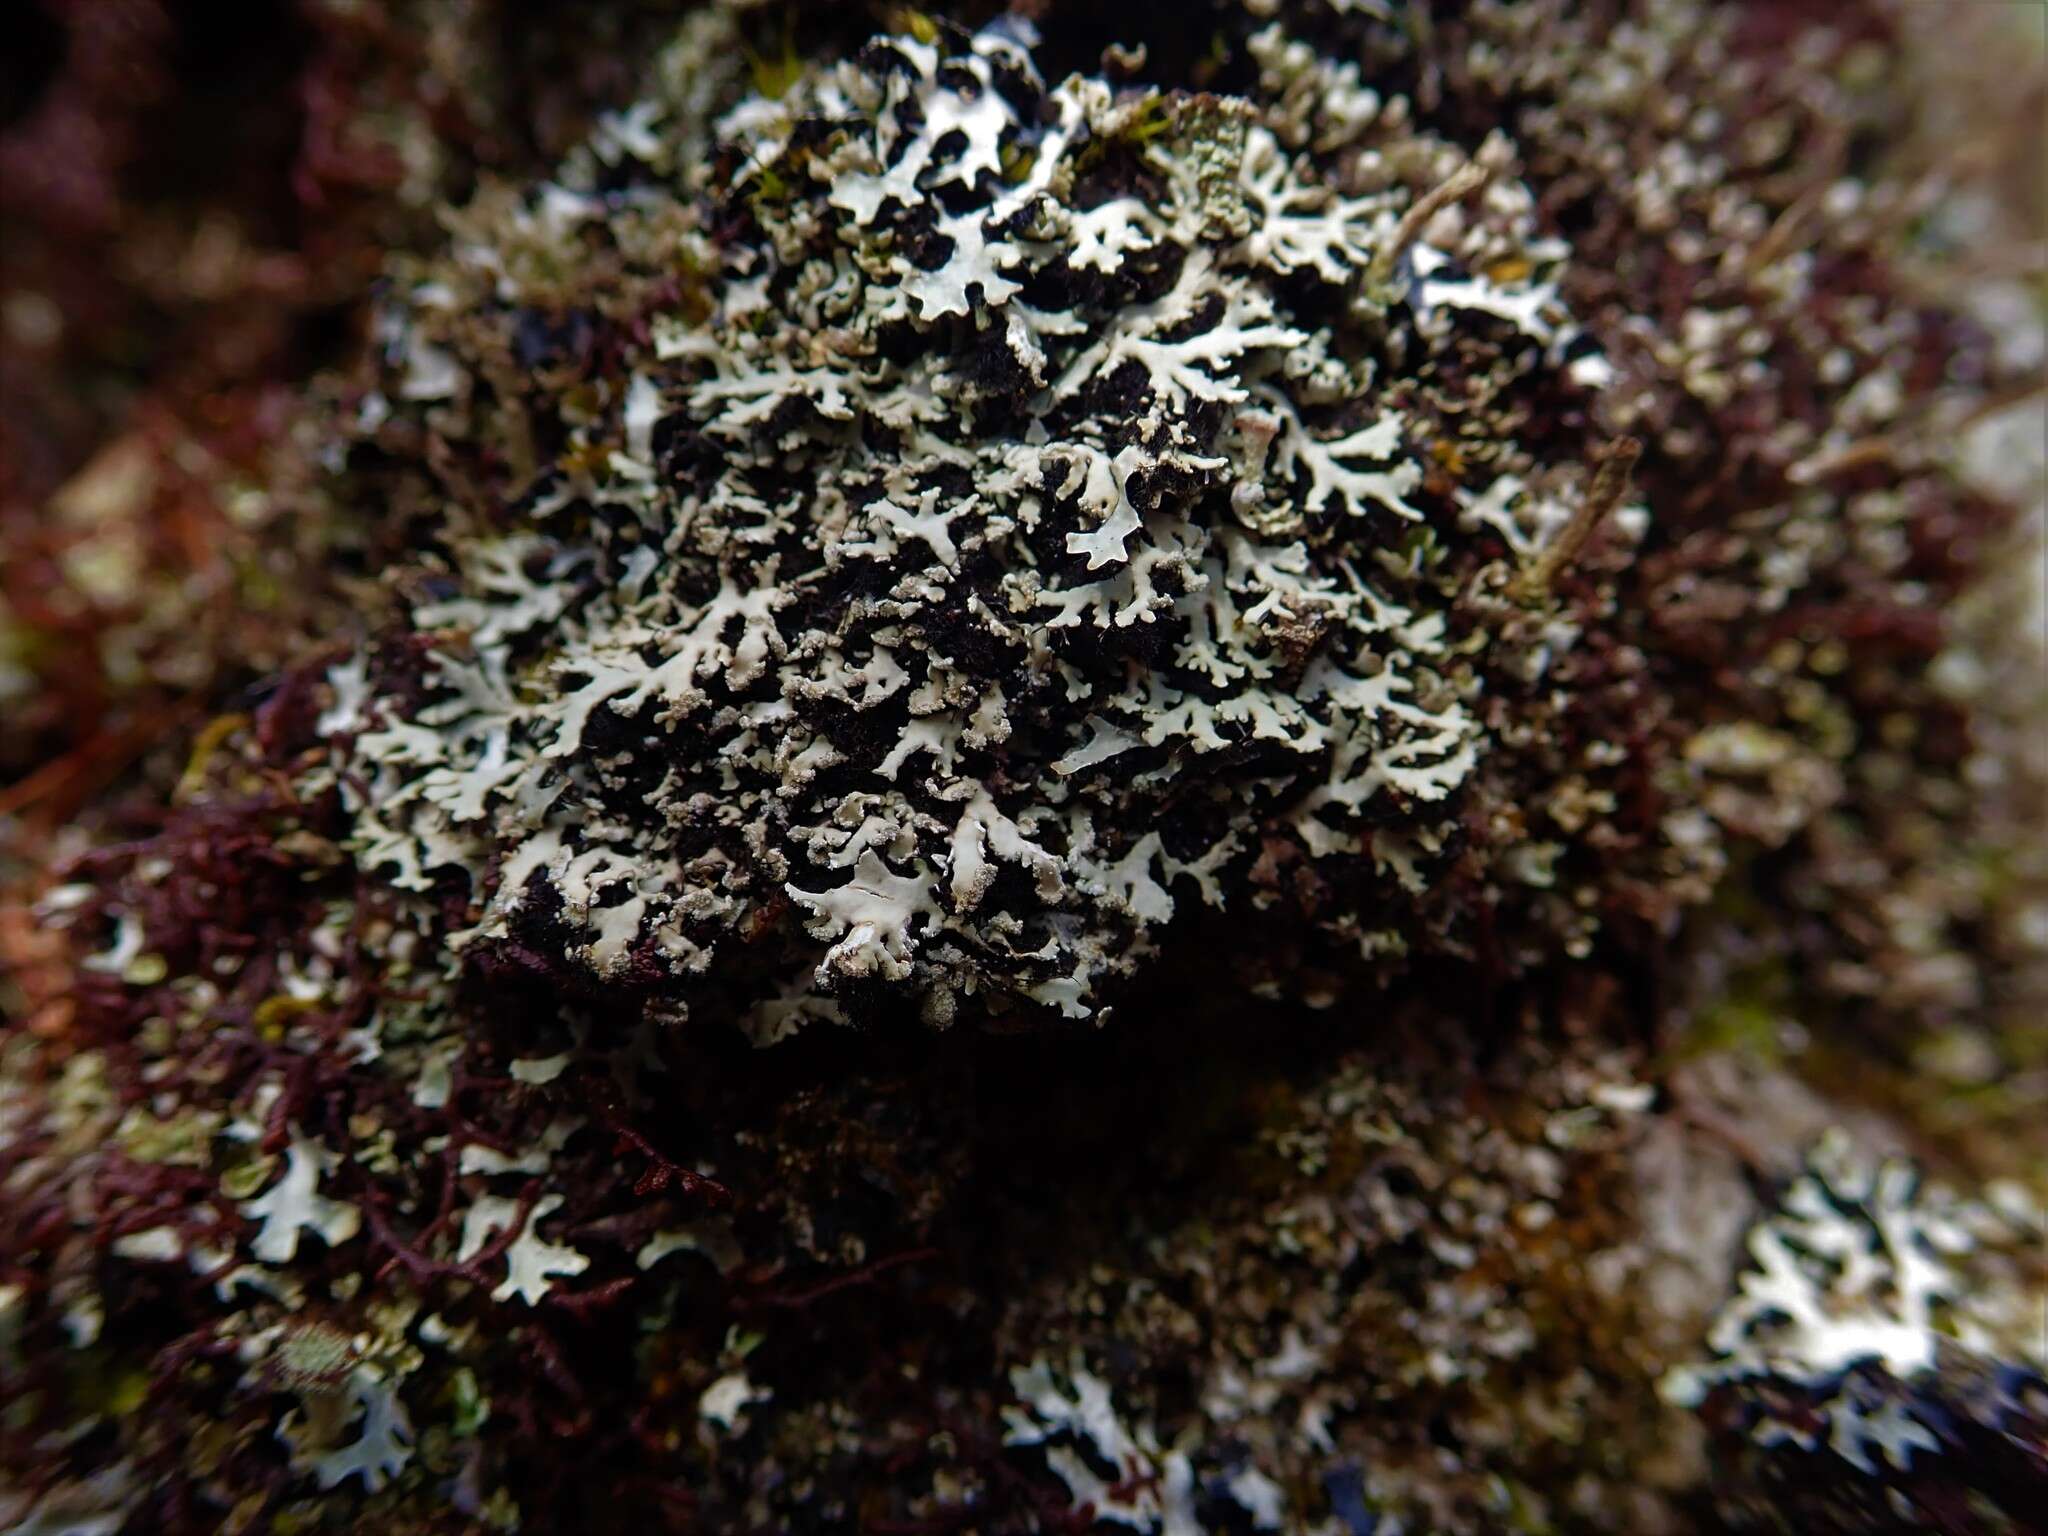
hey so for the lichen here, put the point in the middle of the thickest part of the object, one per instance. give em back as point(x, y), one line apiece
point(1885, 1330)
point(1003, 557)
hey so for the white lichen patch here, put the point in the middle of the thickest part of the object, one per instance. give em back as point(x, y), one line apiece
point(532, 1264)
point(1120, 1471)
point(985, 564)
point(1862, 1269)
point(725, 1402)
point(368, 1406)
point(294, 1205)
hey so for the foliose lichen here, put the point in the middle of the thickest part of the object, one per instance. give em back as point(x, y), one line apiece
point(1882, 1363)
point(1008, 529)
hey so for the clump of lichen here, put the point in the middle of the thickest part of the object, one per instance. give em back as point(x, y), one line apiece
point(1882, 1365)
point(1009, 529)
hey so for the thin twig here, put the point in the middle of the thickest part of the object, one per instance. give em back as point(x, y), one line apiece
point(867, 1274)
point(1610, 484)
point(1466, 180)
